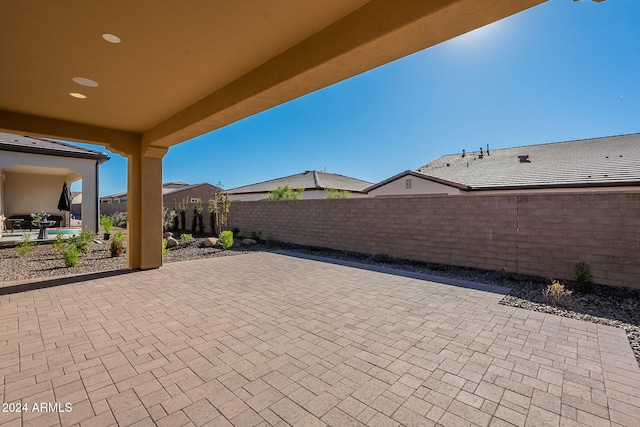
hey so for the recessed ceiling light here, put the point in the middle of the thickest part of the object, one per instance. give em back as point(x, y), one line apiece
point(85, 82)
point(77, 95)
point(111, 38)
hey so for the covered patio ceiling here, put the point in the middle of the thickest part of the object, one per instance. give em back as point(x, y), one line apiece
point(182, 69)
point(190, 67)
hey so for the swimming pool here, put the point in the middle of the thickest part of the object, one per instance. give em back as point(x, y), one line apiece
point(64, 231)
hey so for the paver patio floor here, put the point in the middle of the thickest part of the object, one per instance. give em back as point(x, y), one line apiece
point(268, 339)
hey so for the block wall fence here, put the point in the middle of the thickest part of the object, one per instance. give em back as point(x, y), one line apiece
point(543, 234)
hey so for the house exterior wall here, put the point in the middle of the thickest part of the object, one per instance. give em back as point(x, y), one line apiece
point(418, 185)
point(543, 234)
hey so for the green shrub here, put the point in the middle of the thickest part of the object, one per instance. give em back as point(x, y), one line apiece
point(285, 192)
point(71, 255)
point(384, 258)
point(119, 219)
point(235, 231)
point(186, 237)
point(26, 245)
point(165, 251)
point(59, 243)
point(556, 294)
point(83, 240)
point(584, 278)
point(106, 223)
point(333, 193)
point(226, 239)
point(116, 245)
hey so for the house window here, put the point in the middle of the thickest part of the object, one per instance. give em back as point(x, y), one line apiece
point(407, 183)
point(195, 199)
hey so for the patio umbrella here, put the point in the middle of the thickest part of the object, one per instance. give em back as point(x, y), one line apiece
point(64, 204)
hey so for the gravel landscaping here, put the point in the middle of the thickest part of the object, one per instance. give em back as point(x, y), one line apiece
point(613, 306)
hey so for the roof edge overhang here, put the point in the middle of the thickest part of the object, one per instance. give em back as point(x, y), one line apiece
point(32, 150)
point(418, 175)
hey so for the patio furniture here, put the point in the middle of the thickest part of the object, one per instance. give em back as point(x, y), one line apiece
point(15, 223)
point(26, 221)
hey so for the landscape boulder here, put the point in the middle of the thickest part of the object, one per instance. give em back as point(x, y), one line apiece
point(171, 242)
point(248, 242)
point(210, 242)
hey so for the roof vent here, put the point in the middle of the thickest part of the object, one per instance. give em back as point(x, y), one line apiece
point(463, 153)
point(524, 159)
point(448, 164)
point(481, 155)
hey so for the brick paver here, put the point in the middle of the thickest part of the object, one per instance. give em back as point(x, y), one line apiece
point(269, 339)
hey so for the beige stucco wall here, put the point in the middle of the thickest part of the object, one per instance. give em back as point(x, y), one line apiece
point(27, 193)
point(39, 188)
point(398, 187)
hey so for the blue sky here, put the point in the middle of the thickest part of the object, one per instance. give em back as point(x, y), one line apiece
point(563, 70)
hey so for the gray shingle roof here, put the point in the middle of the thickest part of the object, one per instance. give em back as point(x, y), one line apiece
point(613, 160)
point(309, 180)
point(28, 144)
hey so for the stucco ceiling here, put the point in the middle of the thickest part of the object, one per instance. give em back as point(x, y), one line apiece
point(185, 68)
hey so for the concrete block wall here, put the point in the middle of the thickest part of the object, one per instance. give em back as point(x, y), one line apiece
point(543, 234)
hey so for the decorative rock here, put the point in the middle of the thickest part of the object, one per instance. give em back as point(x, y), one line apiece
point(249, 242)
point(171, 242)
point(167, 234)
point(210, 242)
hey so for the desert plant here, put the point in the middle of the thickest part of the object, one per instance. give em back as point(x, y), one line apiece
point(182, 211)
point(584, 278)
point(235, 231)
point(71, 255)
point(226, 239)
point(165, 250)
point(116, 246)
point(220, 209)
point(285, 192)
point(333, 193)
point(25, 245)
point(119, 219)
point(384, 258)
point(106, 223)
point(168, 218)
point(186, 237)
point(176, 222)
point(59, 244)
point(556, 293)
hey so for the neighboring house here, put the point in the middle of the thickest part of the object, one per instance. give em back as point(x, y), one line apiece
point(598, 164)
point(177, 192)
point(33, 171)
point(314, 183)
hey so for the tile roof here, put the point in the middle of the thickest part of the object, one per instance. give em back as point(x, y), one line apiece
point(309, 180)
point(28, 144)
point(613, 160)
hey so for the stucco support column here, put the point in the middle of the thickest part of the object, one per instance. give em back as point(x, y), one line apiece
point(144, 208)
point(89, 198)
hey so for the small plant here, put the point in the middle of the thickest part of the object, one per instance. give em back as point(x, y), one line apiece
point(168, 218)
point(106, 222)
point(383, 258)
point(71, 255)
point(226, 239)
point(186, 237)
point(83, 240)
point(235, 231)
point(584, 278)
point(116, 246)
point(165, 250)
point(26, 245)
point(182, 211)
point(59, 244)
point(555, 293)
